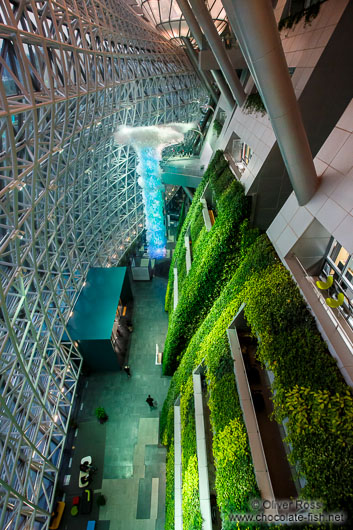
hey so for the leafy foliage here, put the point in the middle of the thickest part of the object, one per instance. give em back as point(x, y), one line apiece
point(212, 265)
point(192, 213)
point(198, 224)
point(289, 343)
point(217, 127)
point(181, 266)
point(309, 14)
point(320, 432)
point(309, 390)
point(192, 519)
point(100, 413)
point(169, 494)
point(188, 432)
point(234, 483)
point(255, 104)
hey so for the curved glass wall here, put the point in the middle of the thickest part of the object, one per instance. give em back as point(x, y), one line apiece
point(70, 73)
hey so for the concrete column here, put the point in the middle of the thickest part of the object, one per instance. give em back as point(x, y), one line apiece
point(206, 23)
point(197, 34)
point(255, 27)
point(204, 75)
point(191, 21)
point(194, 61)
point(223, 87)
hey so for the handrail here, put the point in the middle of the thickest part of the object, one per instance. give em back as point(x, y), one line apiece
point(331, 314)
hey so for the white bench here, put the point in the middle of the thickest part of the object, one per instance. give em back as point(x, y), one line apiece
point(84, 476)
point(159, 355)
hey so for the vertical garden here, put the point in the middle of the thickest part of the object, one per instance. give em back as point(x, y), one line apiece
point(232, 265)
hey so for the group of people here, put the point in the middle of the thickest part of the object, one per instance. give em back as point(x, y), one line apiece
point(85, 467)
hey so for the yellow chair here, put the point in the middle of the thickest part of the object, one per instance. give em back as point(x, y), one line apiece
point(332, 302)
point(325, 285)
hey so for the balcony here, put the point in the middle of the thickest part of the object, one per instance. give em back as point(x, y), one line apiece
point(331, 322)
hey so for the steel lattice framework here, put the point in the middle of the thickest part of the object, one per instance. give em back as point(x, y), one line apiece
point(70, 73)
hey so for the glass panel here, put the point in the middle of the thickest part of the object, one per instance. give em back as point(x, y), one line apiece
point(339, 255)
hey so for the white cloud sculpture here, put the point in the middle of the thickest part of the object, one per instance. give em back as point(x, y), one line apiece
point(157, 136)
point(148, 142)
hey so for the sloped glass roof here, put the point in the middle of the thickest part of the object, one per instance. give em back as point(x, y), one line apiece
point(71, 72)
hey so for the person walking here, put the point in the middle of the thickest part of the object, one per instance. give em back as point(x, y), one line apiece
point(127, 370)
point(150, 401)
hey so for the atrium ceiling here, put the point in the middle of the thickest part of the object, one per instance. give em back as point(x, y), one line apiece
point(166, 15)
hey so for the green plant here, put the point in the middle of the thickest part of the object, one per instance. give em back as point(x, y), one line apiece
point(190, 475)
point(235, 479)
point(181, 267)
point(192, 519)
point(321, 419)
point(101, 500)
point(309, 14)
point(254, 104)
point(169, 494)
point(217, 127)
point(309, 388)
point(234, 265)
point(101, 414)
point(180, 242)
point(213, 262)
point(197, 224)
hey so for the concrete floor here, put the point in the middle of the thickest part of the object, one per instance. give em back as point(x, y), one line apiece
point(131, 463)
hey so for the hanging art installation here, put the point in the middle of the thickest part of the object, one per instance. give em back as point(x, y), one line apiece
point(148, 143)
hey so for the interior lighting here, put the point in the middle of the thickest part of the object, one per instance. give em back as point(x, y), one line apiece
point(149, 171)
point(56, 418)
point(71, 313)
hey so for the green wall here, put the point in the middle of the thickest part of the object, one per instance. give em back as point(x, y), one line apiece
point(237, 267)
